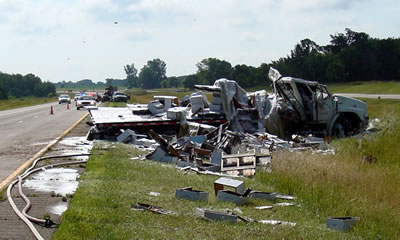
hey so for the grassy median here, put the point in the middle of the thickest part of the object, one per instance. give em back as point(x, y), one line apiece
point(376, 87)
point(325, 186)
point(23, 102)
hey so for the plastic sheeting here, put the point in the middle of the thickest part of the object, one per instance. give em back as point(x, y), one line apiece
point(230, 90)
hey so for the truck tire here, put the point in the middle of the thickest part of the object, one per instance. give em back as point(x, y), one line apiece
point(338, 130)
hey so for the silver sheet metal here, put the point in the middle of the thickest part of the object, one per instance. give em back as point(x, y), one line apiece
point(119, 115)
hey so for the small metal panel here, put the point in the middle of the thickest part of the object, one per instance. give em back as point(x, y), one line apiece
point(271, 196)
point(343, 224)
point(228, 196)
point(190, 194)
point(220, 216)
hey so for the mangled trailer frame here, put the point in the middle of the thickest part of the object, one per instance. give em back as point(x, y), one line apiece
point(162, 115)
point(297, 106)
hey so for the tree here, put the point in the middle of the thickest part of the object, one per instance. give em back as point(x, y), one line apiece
point(152, 74)
point(335, 72)
point(30, 81)
point(172, 82)
point(116, 82)
point(261, 77)
point(211, 69)
point(244, 75)
point(131, 75)
point(190, 81)
point(305, 48)
point(3, 93)
point(164, 83)
point(159, 67)
point(148, 78)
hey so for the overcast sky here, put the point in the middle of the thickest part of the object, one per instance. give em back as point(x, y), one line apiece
point(77, 39)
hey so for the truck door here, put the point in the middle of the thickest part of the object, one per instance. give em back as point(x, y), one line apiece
point(324, 105)
point(306, 96)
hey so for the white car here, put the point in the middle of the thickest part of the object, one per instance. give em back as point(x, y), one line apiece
point(64, 98)
point(85, 101)
point(77, 96)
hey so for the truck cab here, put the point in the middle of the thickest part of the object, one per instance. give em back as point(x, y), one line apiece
point(317, 109)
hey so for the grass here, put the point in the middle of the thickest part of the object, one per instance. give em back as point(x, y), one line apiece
point(116, 104)
point(23, 102)
point(101, 207)
point(3, 196)
point(343, 184)
point(377, 87)
point(324, 185)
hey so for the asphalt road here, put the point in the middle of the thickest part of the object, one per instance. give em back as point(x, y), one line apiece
point(25, 131)
point(364, 95)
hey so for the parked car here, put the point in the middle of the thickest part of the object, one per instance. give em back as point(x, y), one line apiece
point(119, 97)
point(85, 101)
point(64, 98)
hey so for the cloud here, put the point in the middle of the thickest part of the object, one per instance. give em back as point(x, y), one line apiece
point(180, 32)
point(318, 5)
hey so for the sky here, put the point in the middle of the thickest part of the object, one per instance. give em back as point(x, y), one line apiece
point(71, 40)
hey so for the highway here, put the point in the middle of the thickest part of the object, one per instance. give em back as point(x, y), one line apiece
point(369, 95)
point(25, 131)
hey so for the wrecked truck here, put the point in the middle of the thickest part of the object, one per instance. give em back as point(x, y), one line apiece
point(296, 106)
point(308, 107)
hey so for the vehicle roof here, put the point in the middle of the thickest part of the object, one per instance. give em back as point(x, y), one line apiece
point(86, 97)
point(64, 95)
point(291, 79)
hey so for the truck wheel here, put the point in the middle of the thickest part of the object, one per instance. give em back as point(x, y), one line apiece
point(338, 130)
point(77, 108)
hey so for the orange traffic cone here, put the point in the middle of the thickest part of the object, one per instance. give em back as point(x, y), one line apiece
point(51, 110)
point(67, 106)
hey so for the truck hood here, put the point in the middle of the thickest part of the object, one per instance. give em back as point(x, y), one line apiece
point(348, 104)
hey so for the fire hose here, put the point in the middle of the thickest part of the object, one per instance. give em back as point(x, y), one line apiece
point(23, 215)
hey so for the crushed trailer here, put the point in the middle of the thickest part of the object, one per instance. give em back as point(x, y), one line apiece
point(161, 115)
point(296, 106)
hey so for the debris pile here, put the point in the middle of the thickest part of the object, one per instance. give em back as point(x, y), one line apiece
point(236, 131)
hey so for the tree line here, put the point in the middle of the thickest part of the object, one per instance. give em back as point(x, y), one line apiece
point(350, 56)
point(89, 84)
point(17, 85)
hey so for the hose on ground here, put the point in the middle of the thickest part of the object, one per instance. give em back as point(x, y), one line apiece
point(45, 222)
point(26, 173)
